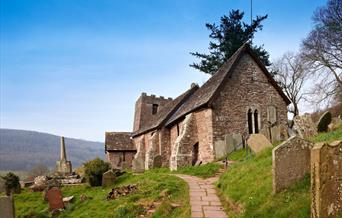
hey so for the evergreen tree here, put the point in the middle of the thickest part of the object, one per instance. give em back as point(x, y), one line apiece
point(227, 37)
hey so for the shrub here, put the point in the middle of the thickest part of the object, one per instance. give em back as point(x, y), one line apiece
point(12, 184)
point(94, 170)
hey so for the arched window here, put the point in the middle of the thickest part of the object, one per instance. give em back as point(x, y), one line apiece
point(250, 121)
point(256, 122)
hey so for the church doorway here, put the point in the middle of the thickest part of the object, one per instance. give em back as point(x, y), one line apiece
point(194, 154)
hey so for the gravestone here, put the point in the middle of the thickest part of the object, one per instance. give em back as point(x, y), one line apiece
point(304, 126)
point(138, 165)
point(231, 143)
point(258, 142)
point(323, 122)
point(326, 179)
point(157, 161)
point(55, 199)
point(7, 207)
point(108, 178)
point(290, 162)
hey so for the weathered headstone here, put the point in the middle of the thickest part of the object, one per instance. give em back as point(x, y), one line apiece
point(290, 162)
point(304, 126)
point(323, 122)
point(138, 165)
point(157, 161)
point(231, 143)
point(258, 142)
point(7, 207)
point(326, 180)
point(108, 178)
point(55, 199)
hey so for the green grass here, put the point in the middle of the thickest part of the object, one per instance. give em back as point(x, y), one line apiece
point(249, 185)
point(150, 184)
point(202, 171)
point(238, 155)
point(328, 136)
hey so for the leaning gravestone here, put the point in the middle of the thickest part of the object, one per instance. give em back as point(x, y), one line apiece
point(304, 126)
point(258, 142)
point(7, 207)
point(323, 122)
point(55, 199)
point(108, 178)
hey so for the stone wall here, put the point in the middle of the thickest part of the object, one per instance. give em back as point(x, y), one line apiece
point(181, 154)
point(152, 150)
point(326, 180)
point(120, 159)
point(248, 88)
point(165, 146)
point(291, 162)
point(202, 135)
point(138, 163)
point(205, 135)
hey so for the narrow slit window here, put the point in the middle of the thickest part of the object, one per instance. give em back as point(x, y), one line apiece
point(250, 122)
point(256, 122)
point(154, 108)
point(177, 129)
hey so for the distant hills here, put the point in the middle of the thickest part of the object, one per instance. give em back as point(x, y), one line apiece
point(21, 149)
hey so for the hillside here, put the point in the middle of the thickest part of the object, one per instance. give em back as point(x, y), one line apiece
point(21, 149)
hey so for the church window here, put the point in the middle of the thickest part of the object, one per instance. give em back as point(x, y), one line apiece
point(250, 121)
point(154, 108)
point(256, 122)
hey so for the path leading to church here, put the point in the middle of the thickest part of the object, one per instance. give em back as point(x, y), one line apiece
point(204, 201)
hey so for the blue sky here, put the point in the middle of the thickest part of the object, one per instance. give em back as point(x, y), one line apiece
point(76, 67)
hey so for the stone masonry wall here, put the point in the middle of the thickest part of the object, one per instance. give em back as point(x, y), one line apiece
point(152, 150)
point(165, 146)
point(117, 159)
point(205, 135)
point(290, 162)
point(181, 154)
point(326, 180)
point(204, 132)
point(247, 88)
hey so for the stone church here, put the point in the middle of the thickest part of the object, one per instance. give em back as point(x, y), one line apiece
point(205, 123)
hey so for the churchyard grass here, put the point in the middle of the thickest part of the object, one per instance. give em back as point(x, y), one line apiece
point(247, 186)
point(328, 136)
point(203, 171)
point(150, 185)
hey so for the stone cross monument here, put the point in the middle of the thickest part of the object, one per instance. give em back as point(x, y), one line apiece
point(63, 166)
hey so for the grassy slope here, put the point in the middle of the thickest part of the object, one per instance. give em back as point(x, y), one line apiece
point(150, 185)
point(248, 183)
point(203, 171)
